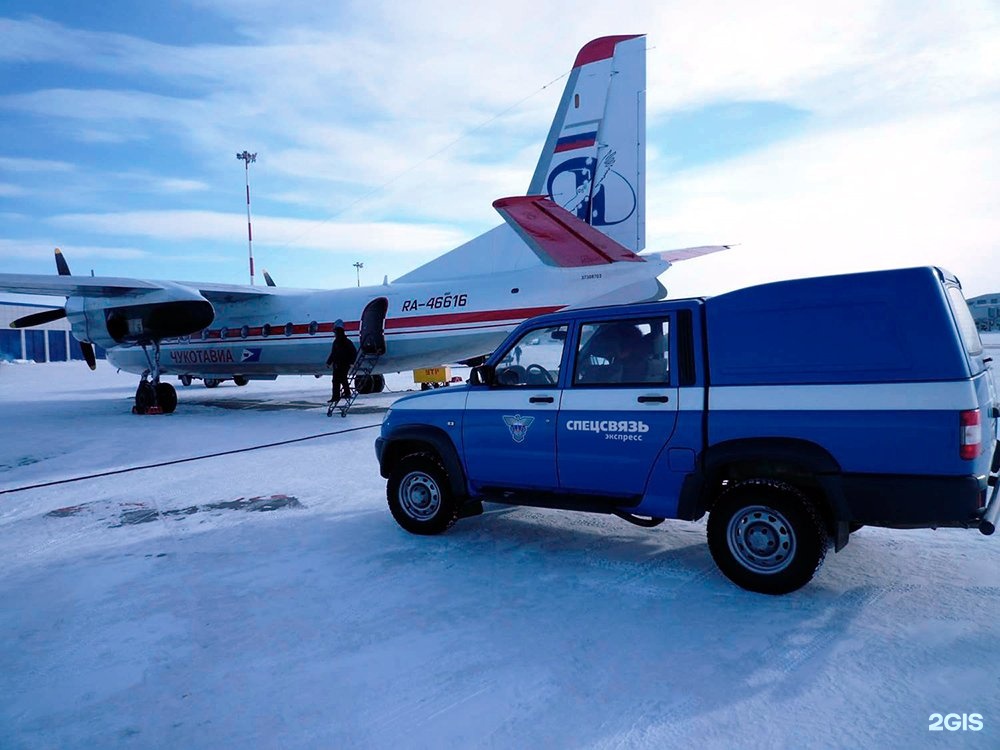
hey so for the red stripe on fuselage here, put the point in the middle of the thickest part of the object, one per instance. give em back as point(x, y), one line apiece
point(458, 320)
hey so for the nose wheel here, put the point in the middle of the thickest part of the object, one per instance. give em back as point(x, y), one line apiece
point(153, 396)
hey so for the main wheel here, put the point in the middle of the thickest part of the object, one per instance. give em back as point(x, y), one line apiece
point(166, 397)
point(241, 379)
point(365, 384)
point(211, 382)
point(766, 536)
point(185, 380)
point(379, 383)
point(145, 396)
point(419, 496)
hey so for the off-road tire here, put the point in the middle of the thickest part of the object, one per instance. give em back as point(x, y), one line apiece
point(419, 495)
point(766, 536)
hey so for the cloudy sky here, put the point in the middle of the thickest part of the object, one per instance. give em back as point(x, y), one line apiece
point(822, 137)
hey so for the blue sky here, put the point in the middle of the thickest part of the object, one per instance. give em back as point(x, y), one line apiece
point(820, 138)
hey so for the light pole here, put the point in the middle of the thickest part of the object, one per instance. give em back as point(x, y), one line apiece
point(246, 157)
point(359, 266)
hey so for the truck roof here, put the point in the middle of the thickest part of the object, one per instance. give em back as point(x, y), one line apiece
point(875, 326)
point(879, 326)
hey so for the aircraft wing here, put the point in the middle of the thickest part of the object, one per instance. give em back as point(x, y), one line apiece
point(73, 286)
point(229, 292)
point(558, 237)
point(111, 286)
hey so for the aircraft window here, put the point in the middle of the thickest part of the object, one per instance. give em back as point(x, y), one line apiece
point(313, 327)
point(288, 329)
point(223, 333)
point(623, 352)
point(266, 330)
point(244, 331)
point(534, 359)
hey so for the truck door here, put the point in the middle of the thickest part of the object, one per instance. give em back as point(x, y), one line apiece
point(620, 409)
point(509, 427)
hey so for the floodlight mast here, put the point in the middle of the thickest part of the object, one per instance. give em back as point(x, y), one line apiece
point(359, 265)
point(246, 157)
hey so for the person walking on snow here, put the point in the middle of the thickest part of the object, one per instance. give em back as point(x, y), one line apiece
point(342, 356)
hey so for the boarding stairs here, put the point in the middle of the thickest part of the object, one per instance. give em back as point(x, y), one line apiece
point(360, 371)
point(372, 339)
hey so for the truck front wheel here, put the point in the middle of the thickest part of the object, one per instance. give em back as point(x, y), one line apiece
point(419, 496)
point(766, 536)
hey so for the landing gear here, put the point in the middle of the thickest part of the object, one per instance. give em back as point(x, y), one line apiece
point(212, 382)
point(166, 397)
point(145, 397)
point(370, 383)
point(185, 380)
point(153, 396)
point(241, 379)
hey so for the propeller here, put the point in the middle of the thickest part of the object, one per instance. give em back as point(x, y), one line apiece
point(47, 316)
point(38, 318)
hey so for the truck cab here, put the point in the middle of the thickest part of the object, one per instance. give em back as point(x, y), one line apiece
point(791, 412)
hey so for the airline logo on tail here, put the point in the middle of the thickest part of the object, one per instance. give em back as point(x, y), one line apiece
point(590, 186)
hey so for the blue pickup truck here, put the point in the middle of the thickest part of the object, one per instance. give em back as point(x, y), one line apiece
point(793, 413)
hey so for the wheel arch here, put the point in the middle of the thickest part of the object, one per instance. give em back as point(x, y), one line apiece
point(805, 465)
point(423, 439)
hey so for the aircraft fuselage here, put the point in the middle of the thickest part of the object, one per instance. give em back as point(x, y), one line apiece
point(289, 332)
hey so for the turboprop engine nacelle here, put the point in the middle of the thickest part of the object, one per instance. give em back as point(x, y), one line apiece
point(173, 310)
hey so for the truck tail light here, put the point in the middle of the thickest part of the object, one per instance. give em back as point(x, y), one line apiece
point(971, 432)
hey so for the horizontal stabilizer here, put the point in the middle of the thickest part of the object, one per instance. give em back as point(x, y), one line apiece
point(686, 253)
point(557, 236)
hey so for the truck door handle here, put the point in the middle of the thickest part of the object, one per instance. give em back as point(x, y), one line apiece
point(541, 399)
point(653, 399)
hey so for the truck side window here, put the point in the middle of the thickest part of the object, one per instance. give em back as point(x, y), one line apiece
point(623, 352)
point(534, 359)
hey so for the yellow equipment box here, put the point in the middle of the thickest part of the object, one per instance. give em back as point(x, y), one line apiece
point(432, 375)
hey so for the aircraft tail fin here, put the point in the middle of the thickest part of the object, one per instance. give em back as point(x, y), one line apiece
point(593, 161)
point(592, 165)
point(557, 236)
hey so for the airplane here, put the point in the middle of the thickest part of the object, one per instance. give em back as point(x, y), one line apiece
point(575, 239)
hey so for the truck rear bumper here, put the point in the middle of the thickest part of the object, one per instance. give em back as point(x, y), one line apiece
point(988, 523)
point(916, 502)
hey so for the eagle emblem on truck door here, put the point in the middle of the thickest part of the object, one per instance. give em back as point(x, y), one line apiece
point(518, 426)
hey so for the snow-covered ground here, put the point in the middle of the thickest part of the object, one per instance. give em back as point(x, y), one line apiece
point(267, 599)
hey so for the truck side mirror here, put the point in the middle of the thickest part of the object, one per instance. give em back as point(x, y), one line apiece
point(482, 375)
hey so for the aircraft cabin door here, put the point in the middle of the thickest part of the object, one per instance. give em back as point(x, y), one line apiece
point(372, 333)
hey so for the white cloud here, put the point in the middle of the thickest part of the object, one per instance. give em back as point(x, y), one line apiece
point(913, 192)
point(15, 248)
point(16, 164)
point(269, 231)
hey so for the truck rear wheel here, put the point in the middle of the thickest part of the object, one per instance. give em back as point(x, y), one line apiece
point(419, 496)
point(766, 536)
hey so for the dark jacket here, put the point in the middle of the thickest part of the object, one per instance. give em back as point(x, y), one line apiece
point(343, 352)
